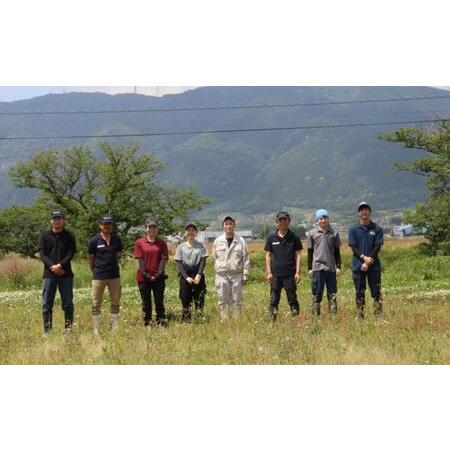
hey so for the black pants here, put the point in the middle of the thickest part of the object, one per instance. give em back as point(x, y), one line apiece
point(189, 293)
point(373, 276)
point(288, 283)
point(146, 289)
point(65, 287)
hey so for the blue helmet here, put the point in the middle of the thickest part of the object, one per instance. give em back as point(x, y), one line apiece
point(320, 213)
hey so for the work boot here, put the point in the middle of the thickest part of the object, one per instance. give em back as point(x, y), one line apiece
point(68, 320)
point(378, 307)
point(295, 311)
point(224, 316)
point(272, 313)
point(114, 322)
point(360, 302)
point(185, 315)
point(96, 324)
point(332, 304)
point(48, 322)
point(315, 306)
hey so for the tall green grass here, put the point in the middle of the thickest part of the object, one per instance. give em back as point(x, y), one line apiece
point(414, 328)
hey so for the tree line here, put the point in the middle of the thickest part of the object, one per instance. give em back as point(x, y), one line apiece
point(122, 181)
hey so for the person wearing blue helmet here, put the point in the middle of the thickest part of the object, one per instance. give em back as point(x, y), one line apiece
point(324, 262)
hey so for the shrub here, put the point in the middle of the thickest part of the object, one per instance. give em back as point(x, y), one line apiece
point(16, 268)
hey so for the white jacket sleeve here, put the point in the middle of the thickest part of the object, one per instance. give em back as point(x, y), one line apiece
point(246, 259)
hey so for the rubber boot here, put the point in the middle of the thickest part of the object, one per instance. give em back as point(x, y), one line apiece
point(48, 322)
point(332, 304)
point(68, 320)
point(272, 312)
point(315, 306)
point(360, 303)
point(185, 315)
point(378, 307)
point(96, 324)
point(114, 322)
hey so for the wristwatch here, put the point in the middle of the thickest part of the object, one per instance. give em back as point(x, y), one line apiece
point(362, 257)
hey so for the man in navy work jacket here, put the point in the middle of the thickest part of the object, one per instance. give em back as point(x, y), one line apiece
point(365, 240)
point(104, 251)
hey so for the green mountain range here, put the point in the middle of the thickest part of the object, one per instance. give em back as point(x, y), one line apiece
point(247, 172)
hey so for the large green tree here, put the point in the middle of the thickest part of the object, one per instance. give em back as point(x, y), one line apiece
point(21, 226)
point(118, 180)
point(434, 213)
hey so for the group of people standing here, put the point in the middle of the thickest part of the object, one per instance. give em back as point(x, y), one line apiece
point(57, 247)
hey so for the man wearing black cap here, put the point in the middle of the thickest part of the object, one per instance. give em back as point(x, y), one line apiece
point(283, 264)
point(190, 257)
point(365, 240)
point(104, 250)
point(57, 248)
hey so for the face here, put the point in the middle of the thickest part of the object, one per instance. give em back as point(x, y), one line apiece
point(228, 226)
point(364, 213)
point(191, 233)
point(106, 228)
point(323, 221)
point(57, 222)
point(152, 230)
point(283, 223)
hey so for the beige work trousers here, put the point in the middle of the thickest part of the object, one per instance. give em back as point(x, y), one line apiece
point(115, 292)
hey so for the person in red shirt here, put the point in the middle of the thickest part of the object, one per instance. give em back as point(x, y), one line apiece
point(152, 254)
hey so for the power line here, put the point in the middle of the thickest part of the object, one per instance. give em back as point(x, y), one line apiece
point(242, 130)
point(229, 107)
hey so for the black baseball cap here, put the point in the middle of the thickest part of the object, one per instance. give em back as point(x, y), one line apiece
point(283, 215)
point(364, 205)
point(191, 225)
point(150, 222)
point(56, 213)
point(106, 219)
point(228, 218)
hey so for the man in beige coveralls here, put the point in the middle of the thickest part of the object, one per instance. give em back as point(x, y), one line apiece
point(232, 265)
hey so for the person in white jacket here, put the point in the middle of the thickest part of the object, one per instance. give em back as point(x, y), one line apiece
point(231, 265)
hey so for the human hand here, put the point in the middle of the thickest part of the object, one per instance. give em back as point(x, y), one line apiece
point(364, 267)
point(197, 279)
point(190, 280)
point(368, 260)
point(269, 277)
point(338, 272)
point(297, 278)
point(310, 273)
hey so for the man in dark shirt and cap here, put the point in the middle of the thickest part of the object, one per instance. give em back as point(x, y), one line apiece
point(283, 264)
point(57, 248)
point(365, 240)
point(104, 251)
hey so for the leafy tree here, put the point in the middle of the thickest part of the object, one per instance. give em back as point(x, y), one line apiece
point(434, 213)
point(20, 227)
point(117, 180)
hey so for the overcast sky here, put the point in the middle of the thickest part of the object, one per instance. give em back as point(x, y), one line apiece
point(11, 93)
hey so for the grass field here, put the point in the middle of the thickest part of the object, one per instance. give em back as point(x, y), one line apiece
point(414, 329)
